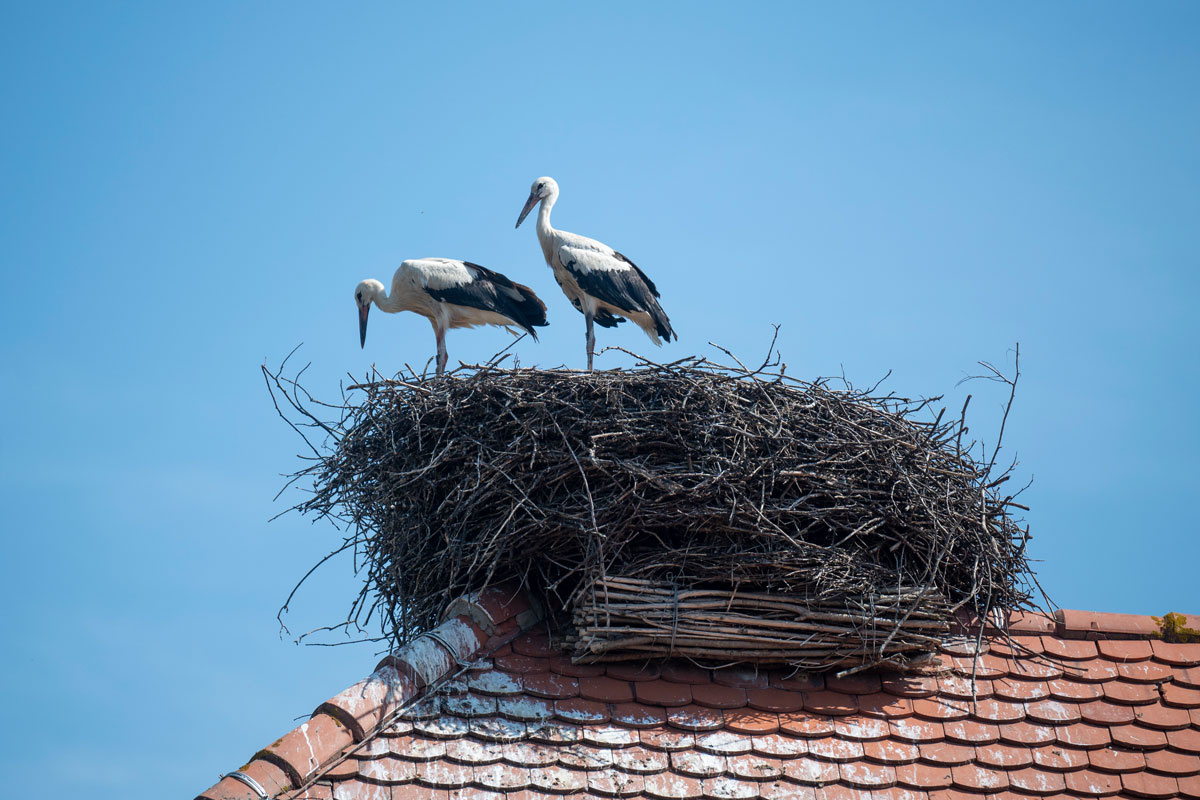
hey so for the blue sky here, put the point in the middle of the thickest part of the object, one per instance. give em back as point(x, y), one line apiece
point(191, 190)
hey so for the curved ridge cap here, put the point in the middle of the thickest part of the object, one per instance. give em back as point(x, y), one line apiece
point(1071, 624)
point(1076, 624)
point(473, 625)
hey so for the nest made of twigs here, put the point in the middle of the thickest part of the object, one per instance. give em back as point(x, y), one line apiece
point(690, 475)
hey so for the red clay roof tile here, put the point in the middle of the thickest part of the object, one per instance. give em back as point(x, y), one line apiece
point(1172, 762)
point(998, 710)
point(726, 788)
point(751, 722)
point(1083, 736)
point(806, 725)
point(605, 690)
point(946, 753)
point(1032, 780)
point(811, 772)
point(1071, 649)
point(1125, 651)
point(550, 685)
point(741, 677)
point(1190, 787)
point(1176, 654)
point(1057, 757)
point(753, 766)
point(1097, 670)
point(976, 778)
point(861, 728)
point(672, 786)
point(695, 718)
point(924, 776)
point(1145, 672)
point(1187, 740)
point(1052, 712)
point(663, 693)
point(858, 683)
point(1162, 717)
point(685, 672)
point(1147, 784)
point(1026, 733)
point(558, 779)
point(698, 764)
point(1175, 695)
point(942, 708)
point(865, 775)
point(909, 685)
point(715, 696)
point(667, 739)
point(776, 700)
point(1138, 737)
point(1126, 693)
point(971, 732)
point(722, 742)
point(1074, 691)
point(831, 748)
point(638, 715)
point(633, 671)
point(1004, 756)
point(578, 710)
point(1089, 783)
point(890, 751)
point(830, 703)
point(774, 744)
point(1117, 759)
point(564, 666)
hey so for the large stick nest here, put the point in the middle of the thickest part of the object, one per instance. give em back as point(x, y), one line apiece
point(690, 475)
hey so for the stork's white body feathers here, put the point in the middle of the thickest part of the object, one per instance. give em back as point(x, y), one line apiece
point(415, 278)
point(588, 257)
point(453, 294)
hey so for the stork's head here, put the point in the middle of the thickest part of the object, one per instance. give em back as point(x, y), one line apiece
point(541, 189)
point(364, 294)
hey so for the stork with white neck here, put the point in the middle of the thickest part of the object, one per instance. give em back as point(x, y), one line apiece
point(603, 284)
point(451, 294)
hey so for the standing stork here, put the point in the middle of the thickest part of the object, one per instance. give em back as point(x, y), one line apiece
point(451, 294)
point(603, 284)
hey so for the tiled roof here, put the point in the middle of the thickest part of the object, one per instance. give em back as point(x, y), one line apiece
point(1071, 706)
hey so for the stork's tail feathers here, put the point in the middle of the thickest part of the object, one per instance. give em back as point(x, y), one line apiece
point(530, 312)
point(662, 324)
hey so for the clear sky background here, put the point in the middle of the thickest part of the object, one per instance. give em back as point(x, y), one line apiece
point(191, 190)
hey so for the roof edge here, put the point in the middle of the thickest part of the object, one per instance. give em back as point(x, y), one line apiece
point(473, 625)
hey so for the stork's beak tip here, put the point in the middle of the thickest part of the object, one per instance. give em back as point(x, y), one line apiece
point(529, 204)
point(362, 325)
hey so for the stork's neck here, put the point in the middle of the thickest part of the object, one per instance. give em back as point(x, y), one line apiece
point(543, 221)
point(390, 303)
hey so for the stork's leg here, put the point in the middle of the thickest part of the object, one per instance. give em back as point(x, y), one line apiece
point(441, 354)
point(591, 337)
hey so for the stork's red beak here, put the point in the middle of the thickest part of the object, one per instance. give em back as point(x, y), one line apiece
point(529, 204)
point(362, 324)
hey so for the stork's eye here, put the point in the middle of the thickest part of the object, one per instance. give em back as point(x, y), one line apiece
point(359, 296)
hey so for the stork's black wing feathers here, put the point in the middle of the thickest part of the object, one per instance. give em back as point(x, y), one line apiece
point(649, 283)
point(624, 289)
point(492, 291)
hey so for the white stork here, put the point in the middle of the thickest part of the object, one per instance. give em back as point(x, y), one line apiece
point(451, 294)
point(603, 284)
